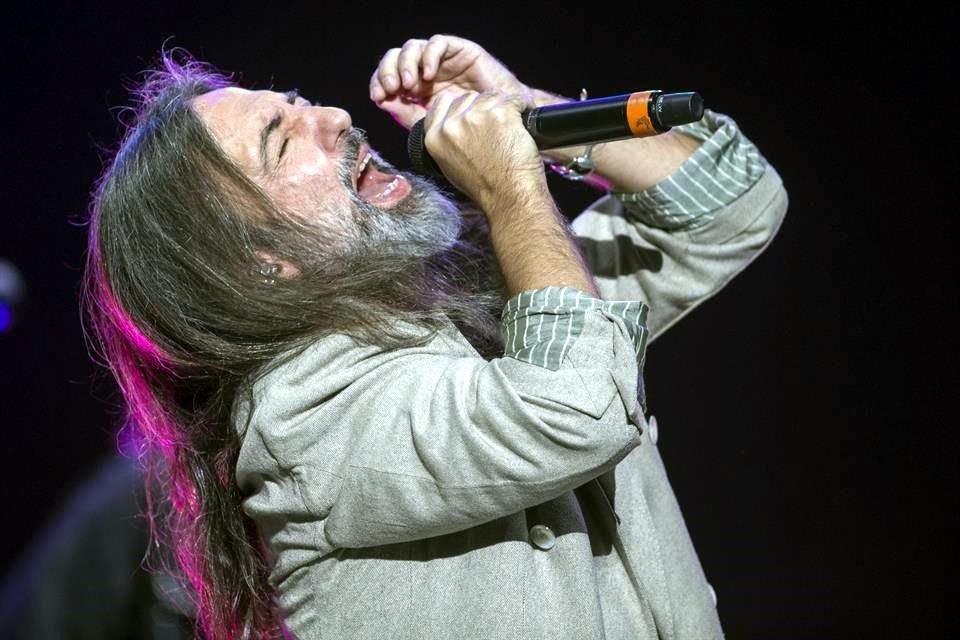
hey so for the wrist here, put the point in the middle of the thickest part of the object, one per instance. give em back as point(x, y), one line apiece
point(522, 195)
point(535, 249)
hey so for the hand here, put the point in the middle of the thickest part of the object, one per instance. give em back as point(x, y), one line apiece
point(408, 79)
point(479, 142)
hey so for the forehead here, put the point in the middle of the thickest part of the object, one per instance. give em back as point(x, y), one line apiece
point(230, 103)
point(235, 116)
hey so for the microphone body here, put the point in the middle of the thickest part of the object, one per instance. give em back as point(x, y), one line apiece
point(631, 115)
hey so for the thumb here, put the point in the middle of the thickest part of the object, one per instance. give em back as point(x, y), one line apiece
point(403, 111)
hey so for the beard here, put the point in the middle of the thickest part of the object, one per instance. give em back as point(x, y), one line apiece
point(417, 257)
point(426, 222)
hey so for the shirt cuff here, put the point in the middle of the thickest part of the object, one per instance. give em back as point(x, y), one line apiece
point(540, 326)
point(725, 166)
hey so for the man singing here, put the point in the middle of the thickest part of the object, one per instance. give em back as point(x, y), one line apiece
point(374, 413)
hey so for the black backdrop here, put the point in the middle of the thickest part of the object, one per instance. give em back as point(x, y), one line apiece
point(803, 411)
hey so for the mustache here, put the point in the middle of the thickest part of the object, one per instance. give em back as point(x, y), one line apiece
point(351, 142)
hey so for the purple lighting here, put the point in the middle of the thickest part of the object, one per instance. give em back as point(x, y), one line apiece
point(11, 294)
point(6, 318)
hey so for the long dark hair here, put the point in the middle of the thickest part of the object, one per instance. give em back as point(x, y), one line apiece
point(177, 309)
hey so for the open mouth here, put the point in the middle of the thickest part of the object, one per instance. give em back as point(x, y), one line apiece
point(375, 184)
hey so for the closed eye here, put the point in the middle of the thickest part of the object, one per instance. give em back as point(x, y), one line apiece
point(291, 96)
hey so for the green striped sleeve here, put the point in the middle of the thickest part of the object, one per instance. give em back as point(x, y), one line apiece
point(725, 166)
point(540, 326)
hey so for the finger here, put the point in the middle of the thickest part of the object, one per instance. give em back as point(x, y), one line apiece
point(517, 102)
point(455, 44)
point(403, 111)
point(437, 49)
point(408, 63)
point(439, 107)
point(444, 120)
point(377, 92)
point(386, 73)
point(450, 105)
point(462, 103)
point(451, 92)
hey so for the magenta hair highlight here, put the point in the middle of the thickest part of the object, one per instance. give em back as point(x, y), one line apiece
point(178, 372)
point(131, 354)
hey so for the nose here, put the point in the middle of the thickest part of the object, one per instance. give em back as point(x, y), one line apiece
point(327, 124)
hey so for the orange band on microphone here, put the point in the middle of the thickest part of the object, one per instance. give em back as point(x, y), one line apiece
point(638, 114)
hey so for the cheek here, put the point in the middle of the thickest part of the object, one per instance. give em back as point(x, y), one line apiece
point(312, 168)
point(312, 185)
point(319, 199)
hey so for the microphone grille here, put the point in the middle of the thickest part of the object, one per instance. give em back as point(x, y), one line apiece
point(421, 160)
point(680, 108)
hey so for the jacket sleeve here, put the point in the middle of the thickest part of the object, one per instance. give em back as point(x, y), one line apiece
point(434, 439)
point(679, 242)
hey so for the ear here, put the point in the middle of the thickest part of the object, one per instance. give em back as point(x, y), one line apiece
point(287, 270)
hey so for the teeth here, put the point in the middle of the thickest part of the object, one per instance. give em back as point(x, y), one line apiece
point(390, 188)
point(363, 164)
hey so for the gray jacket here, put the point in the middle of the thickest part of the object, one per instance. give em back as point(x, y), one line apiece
point(429, 493)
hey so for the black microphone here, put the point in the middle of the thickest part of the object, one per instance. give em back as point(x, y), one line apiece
point(631, 115)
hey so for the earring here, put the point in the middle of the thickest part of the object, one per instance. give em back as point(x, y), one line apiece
point(269, 271)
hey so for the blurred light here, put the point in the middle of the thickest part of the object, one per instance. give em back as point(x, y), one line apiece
point(6, 317)
point(11, 293)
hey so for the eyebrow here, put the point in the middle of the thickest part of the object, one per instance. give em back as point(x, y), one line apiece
point(272, 126)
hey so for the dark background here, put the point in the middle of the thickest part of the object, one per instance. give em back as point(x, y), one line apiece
point(803, 411)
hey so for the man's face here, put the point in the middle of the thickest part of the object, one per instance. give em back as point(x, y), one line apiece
point(308, 159)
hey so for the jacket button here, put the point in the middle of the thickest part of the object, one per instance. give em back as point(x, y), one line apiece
point(542, 537)
point(652, 430)
point(713, 594)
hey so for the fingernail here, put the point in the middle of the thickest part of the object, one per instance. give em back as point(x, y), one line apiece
point(407, 77)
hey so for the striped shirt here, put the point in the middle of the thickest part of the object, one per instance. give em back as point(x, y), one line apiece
point(720, 171)
point(539, 327)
